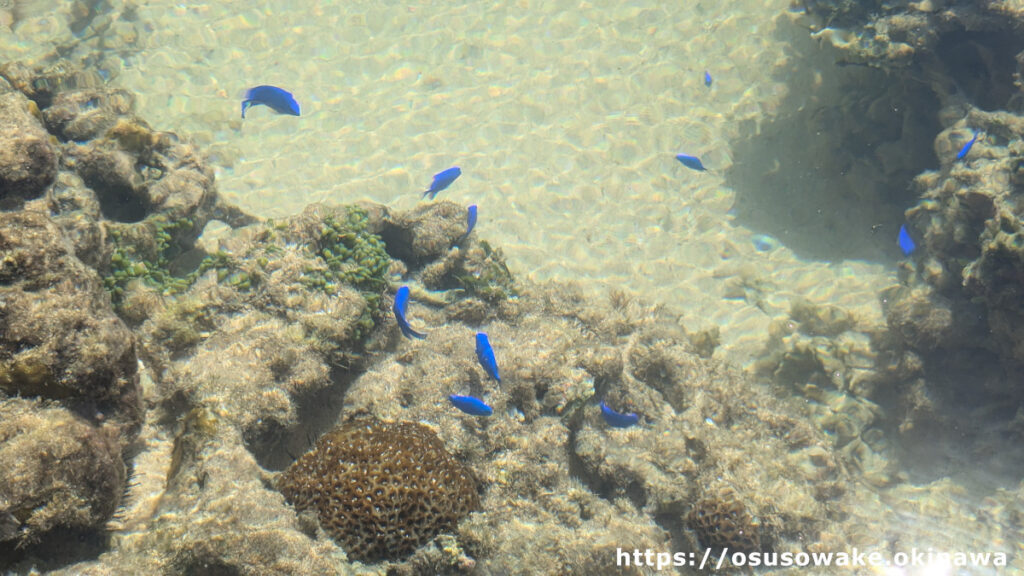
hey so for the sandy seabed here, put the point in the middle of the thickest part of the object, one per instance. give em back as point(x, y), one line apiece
point(564, 116)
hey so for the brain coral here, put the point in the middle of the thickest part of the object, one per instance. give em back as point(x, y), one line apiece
point(381, 489)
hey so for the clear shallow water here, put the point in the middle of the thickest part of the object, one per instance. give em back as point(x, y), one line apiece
point(565, 118)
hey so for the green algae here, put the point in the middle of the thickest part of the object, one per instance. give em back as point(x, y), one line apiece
point(131, 261)
point(354, 256)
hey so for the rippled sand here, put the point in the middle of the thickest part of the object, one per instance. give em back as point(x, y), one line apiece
point(565, 118)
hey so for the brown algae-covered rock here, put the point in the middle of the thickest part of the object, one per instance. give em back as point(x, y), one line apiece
point(28, 159)
point(424, 233)
point(82, 115)
point(261, 328)
point(200, 504)
point(547, 455)
point(894, 34)
point(971, 232)
point(59, 471)
point(381, 489)
point(59, 339)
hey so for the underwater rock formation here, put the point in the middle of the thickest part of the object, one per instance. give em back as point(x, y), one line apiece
point(546, 454)
point(132, 199)
point(60, 471)
point(28, 160)
point(59, 338)
point(972, 237)
point(62, 347)
point(954, 325)
point(268, 316)
point(896, 34)
point(381, 489)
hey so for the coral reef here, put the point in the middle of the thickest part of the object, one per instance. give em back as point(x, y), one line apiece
point(262, 328)
point(424, 238)
point(972, 240)
point(381, 489)
point(202, 505)
point(132, 199)
point(967, 216)
point(936, 382)
point(558, 479)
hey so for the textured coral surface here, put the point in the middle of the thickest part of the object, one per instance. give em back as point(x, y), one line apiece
point(381, 489)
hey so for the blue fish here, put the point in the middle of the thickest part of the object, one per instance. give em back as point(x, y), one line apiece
point(967, 147)
point(906, 243)
point(442, 180)
point(691, 162)
point(470, 223)
point(470, 219)
point(618, 419)
point(707, 79)
point(485, 354)
point(401, 302)
point(278, 100)
point(470, 405)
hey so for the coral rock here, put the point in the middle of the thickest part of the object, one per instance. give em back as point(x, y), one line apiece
point(28, 160)
point(381, 489)
point(721, 521)
point(59, 471)
point(59, 338)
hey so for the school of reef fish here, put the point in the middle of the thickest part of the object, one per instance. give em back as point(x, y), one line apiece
point(364, 389)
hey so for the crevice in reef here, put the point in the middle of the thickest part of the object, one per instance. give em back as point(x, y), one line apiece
point(54, 550)
point(829, 175)
point(276, 448)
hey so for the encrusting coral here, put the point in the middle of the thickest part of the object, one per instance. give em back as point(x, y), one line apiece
point(723, 523)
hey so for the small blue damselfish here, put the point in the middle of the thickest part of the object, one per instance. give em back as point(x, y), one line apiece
point(618, 419)
point(401, 302)
point(470, 405)
point(470, 220)
point(966, 148)
point(470, 223)
point(278, 100)
point(691, 162)
point(485, 354)
point(906, 243)
point(442, 180)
